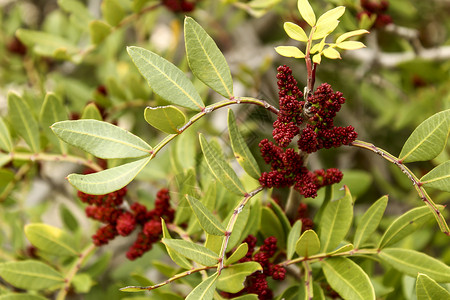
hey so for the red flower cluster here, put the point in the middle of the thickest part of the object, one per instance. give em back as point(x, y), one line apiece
point(108, 210)
point(257, 282)
point(378, 8)
point(179, 5)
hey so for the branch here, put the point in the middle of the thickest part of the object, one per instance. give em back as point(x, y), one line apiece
point(321, 256)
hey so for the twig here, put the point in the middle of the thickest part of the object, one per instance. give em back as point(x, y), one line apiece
point(321, 256)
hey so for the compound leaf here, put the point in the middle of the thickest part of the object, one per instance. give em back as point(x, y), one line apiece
point(306, 12)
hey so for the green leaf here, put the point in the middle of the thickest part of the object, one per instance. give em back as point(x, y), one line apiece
point(289, 51)
point(98, 30)
point(308, 244)
point(109, 180)
point(369, 221)
point(428, 139)
point(206, 219)
point(348, 279)
point(101, 139)
point(166, 79)
point(335, 222)
point(412, 262)
point(428, 289)
point(295, 32)
point(205, 59)
point(240, 252)
point(68, 219)
point(112, 11)
point(165, 118)
point(232, 279)
point(30, 275)
point(239, 227)
point(345, 248)
point(53, 111)
point(438, 178)
point(51, 239)
point(328, 22)
point(306, 12)
point(350, 45)
point(349, 34)
point(178, 259)
point(293, 237)
point(91, 112)
point(5, 137)
point(80, 14)
point(21, 296)
point(195, 252)
point(24, 122)
point(271, 226)
point(4, 159)
point(205, 290)
point(241, 151)
point(220, 168)
point(331, 53)
point(405, 225)
point(281, 215)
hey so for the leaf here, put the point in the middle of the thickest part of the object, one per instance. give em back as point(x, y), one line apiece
point(331, 53)
point(53, 111)
point(271, 226)
point(112, 12)
point(428, 139)
point(239, 227)
point(21, 296)
point(30, 275)
point(24, 122)
point(428, 289)
point(295, 32)
point(165, 118)
point(51, 239)
point(306, 12)
point(197, 253)
point(317, 58)
point(349, 34)
point(438, 178)
point(240, 252)
point(166, 79)
point(293, 237)
point(241, 151)
point(308, 244)
point(68, 219)
point(80, 14)
point(231, 279)
point(206, 219)
point(5, 137)
point(98, 30)
point(369, 221)
point(220, 168)
point(405, 225)
point(350, 45)
point(328, 22)
point(108, 180)
point(205, 290)
point(101, 139)
point(335, 222)
point(325, 29)
point(412, 262)
point(206, 60)
point(176, 258)
point(289, 51)
point(348, 279)
point(345, 248)
point(92, 112)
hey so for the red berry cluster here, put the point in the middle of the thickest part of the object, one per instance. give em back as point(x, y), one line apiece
point(378, 8)
point(179, 5)
point(118, 221)
point(257, 282)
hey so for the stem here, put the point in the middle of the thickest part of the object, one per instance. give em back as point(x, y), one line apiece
point(55, 157)
point(73, 271)
point(308, 280)
point(415, 181)
point(231, 224)
point(310, 67)
point(321, 256)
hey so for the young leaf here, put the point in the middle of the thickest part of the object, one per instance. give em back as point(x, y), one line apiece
point(195, 252)
point(306, 12)
point(98, 30)
point(317, 58)
point(240, 252)
point(289, 51)
point(166, 79)
point(205, 59)
point(369, 221)
point(91, 112)
point(108, 180)
point(101, 139)
point(52, 111)
point(428, 139)
point(205, 290)
point(428, 289)
point(30, 275)
point(335, 222)
point(165, 118)
point(412, 262)
point(206, 219)
point(293, 237)
point(240, 148)
point(325, 29)
point(112, 11)
point(177, 258)
point(220, 168)
point(23, 120)
point(51, 239)
point(438, 178)
point(328, 22)
point(231, 280)
point(5, 137)
point(331, 53)
point(350, 45)
point(295, 32)
point(308, 244)
point(348, 279)
point(349, 34)
point(405, 225)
